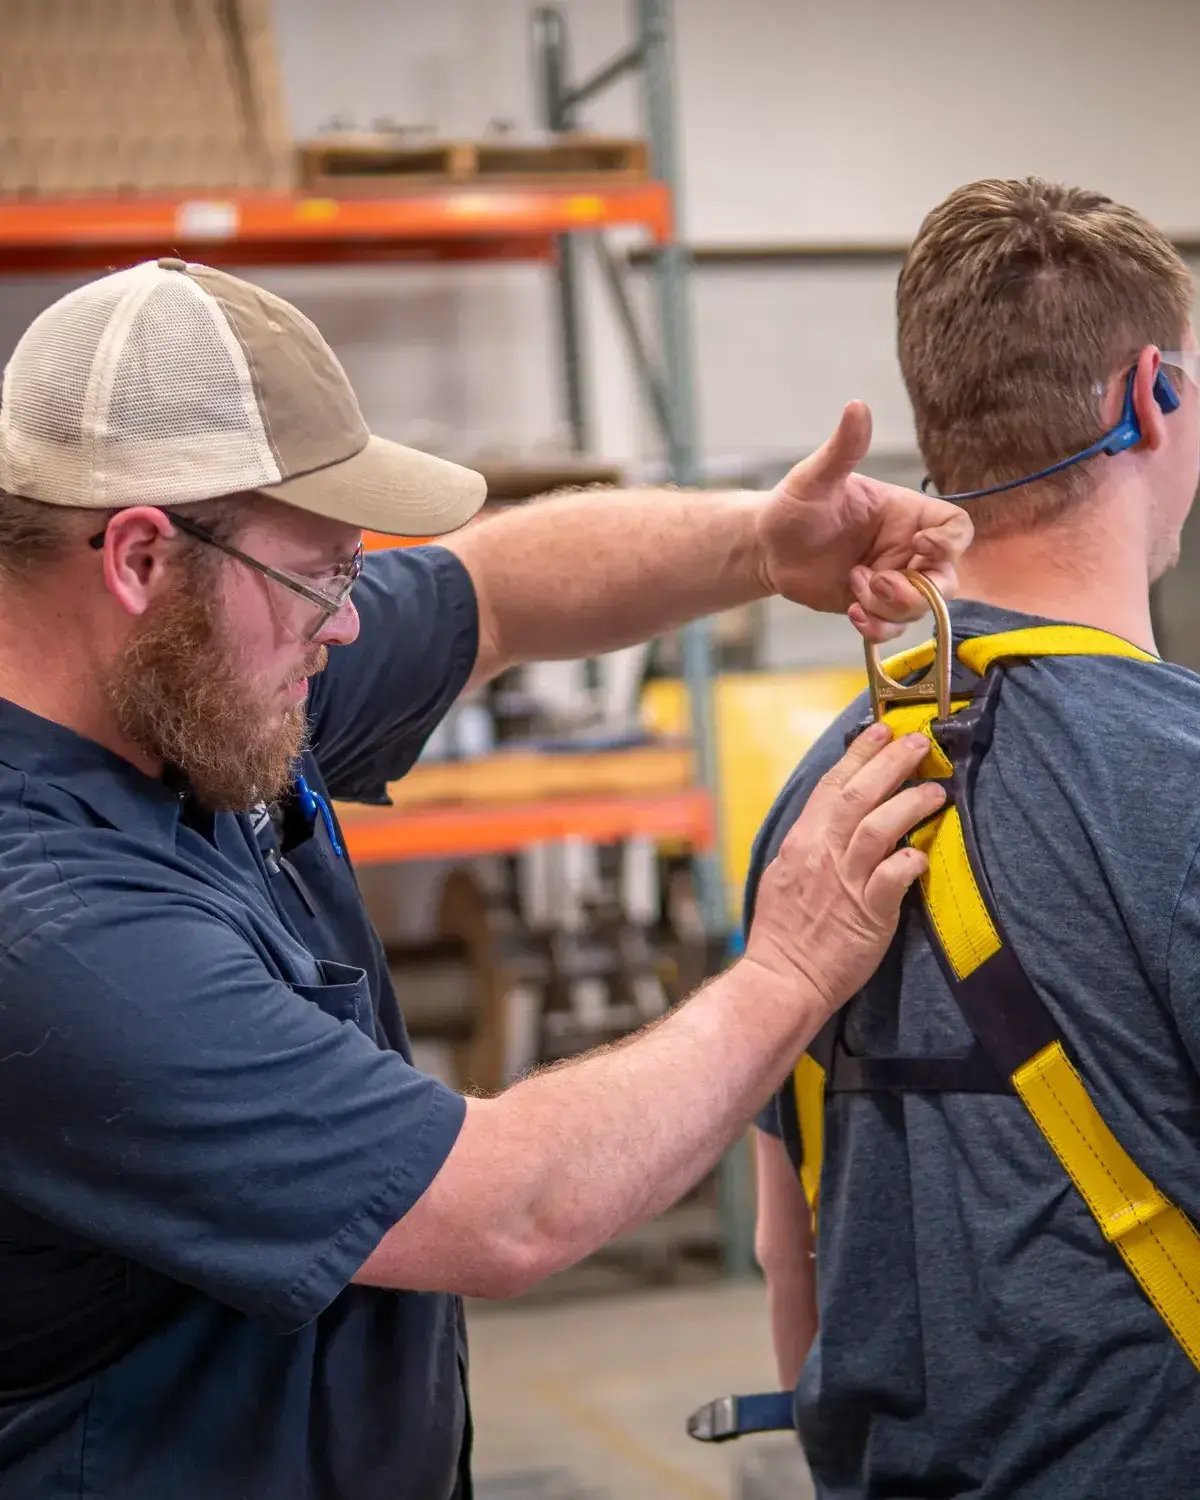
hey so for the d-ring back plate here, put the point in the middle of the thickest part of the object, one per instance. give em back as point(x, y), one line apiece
point(936, 681)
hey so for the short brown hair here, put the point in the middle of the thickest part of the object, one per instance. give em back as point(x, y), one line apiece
point(1016, 300)
point(33, 533)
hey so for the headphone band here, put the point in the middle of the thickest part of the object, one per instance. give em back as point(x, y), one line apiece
point(1125, 435)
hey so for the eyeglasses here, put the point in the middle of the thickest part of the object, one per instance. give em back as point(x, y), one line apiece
point(1186, 360)
point(323, 600)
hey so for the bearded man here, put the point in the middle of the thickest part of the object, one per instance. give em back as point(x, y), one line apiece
point(235, 1221)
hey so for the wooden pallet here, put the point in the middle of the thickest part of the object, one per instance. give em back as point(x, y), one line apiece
point(518, 775)
point(353, 163)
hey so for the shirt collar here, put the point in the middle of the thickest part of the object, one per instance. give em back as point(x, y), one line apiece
point(973, 617)
point(115, 791)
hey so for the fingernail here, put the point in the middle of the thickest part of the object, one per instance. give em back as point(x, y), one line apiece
point(915, 740)
point(877, 734)
point(939, 792)
point(883, 588)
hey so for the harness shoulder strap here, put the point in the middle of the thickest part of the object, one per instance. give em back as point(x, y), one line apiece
point(808, 1082)
point(1156, 1240)
point(981, 652)
point(1013, 1029)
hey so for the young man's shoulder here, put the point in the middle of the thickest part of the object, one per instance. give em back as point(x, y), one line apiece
point(1116, 734)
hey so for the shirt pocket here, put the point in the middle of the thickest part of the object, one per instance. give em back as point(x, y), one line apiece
point(343, 993)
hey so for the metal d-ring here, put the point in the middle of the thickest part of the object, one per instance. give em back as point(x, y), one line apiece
point(935, 683)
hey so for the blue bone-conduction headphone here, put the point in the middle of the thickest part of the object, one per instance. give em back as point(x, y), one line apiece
point(1126, 434)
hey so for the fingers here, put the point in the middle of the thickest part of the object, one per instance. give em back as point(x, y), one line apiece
point(884, 599)
point(844, 449)
point(880, 831)
point(946, 533)
point(828, 903)
point(861, 750)
point(918, 533)
point(897, 599)
point(888, 886)
point(869, 772)
point(870, 627)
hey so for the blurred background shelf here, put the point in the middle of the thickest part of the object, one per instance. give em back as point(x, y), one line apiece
point(496, 223)
point(470, 829)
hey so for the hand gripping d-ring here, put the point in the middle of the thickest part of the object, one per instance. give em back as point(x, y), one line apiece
point(935, 683)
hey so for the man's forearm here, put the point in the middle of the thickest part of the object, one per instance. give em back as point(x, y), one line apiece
point(559, 1163)
point(580, 574)
point(612, 1140)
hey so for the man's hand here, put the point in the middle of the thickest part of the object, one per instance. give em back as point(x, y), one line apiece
point(562, 1161)
point(828, 904)
point(836, 540)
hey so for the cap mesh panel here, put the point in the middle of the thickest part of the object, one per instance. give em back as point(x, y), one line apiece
point(132, 390)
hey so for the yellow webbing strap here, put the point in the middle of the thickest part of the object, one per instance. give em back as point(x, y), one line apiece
point(982, 651)
point(1156, 1240)
point(956, 908)
point(809, 1084)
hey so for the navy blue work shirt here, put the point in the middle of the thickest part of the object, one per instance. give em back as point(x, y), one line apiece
point(209, 1115)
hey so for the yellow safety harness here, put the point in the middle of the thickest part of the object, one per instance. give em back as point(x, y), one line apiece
point(1018, 1047)
point(1016, 1037)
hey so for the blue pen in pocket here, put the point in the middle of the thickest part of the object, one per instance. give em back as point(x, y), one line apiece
point(312, 803)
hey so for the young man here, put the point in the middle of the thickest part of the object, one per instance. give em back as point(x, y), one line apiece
point(234, 1219)
point(967, 1330)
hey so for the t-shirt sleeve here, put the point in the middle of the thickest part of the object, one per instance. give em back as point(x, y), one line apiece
point(167, 1098)
point(765, 846)
point(379, 700)
point(768, 1117)
point(1183, 961)
point(787, 808)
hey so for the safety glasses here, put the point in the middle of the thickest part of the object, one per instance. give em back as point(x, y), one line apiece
point(312, 602)
point(1186, 360)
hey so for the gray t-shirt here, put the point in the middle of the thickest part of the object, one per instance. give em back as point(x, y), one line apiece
point(977, 1336)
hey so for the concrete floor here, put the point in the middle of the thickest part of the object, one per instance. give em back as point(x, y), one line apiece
point(585, 1398)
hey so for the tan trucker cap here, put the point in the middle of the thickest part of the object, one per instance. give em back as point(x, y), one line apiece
point(171, 382)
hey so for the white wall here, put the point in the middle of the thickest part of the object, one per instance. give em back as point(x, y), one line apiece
point(799, 120)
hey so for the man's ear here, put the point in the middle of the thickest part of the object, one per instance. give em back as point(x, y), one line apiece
point(137, 544)
point(1150, 416)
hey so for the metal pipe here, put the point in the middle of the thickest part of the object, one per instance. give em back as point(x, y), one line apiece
point(670, 278)
point(570, 334)
point(733, 1172)
point(648, 376)
point(623, 63)
point(550, 40)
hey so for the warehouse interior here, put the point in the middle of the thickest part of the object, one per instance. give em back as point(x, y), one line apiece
point(690, 298)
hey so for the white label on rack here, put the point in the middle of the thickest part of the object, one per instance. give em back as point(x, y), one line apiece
point(206, 219)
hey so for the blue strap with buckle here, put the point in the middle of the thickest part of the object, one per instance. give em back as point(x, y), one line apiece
point(733, 1416)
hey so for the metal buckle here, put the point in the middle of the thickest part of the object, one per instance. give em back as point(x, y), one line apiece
point(716, 1422)
point(935, 683)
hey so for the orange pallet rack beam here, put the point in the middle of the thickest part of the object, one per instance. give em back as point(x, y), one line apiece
point(456, 224)
point(382, 835)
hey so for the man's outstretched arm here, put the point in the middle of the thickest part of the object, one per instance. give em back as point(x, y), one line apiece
point(576, 575)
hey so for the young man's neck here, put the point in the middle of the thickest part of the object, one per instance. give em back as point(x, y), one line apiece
point(1094, 574)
